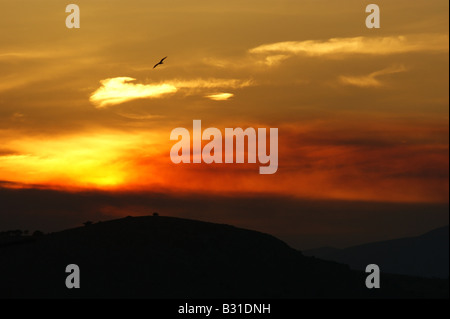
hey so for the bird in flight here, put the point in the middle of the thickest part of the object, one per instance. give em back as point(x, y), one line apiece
point(160, 62)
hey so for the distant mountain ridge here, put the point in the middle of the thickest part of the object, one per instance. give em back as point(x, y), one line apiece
point(426, 255)
point(163, 257)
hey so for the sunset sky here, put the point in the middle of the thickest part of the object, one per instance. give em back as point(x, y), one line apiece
point(363, 114)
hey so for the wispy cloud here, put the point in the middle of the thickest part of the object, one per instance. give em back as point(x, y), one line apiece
point(275, 59)
point(273, 54)
point(371, 80)
point(119, 90)
point(211, 83)
point(220, 96)
point(30, 55)
point(357, 45)
point(134, 116)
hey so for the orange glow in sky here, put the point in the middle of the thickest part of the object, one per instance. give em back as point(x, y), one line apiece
point(362, 114)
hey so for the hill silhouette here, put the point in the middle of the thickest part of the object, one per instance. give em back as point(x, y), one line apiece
point(162, 257)
point(426, 255)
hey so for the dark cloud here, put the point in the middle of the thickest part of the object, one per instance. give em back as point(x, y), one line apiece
point(302, 223)
point(6, 152)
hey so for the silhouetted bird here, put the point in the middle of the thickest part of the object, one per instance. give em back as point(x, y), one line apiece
point(160, 62)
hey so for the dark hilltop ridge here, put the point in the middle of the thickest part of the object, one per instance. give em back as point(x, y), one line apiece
point(162, 257)
point(425, 256)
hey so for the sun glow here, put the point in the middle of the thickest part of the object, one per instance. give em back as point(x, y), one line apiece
point(99, 161)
